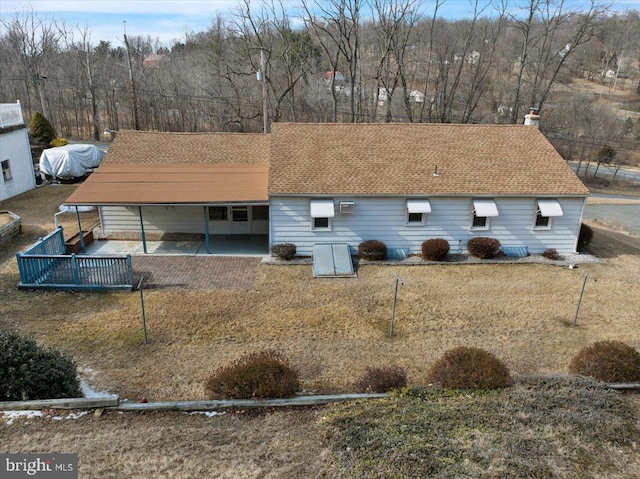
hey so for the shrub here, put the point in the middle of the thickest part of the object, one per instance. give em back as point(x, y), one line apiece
point(551, 253)
point(58, 142)
point(435, 249)
point(29, 371)
point(484, 248)
point(381, 380)
point(41, 129)
point(286, 251)
point(372, 250)
point(608, 361)
point(469, 368)
point(265, 374)
point(585, 236)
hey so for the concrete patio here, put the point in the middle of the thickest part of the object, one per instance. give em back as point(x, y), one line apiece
point(256, 246)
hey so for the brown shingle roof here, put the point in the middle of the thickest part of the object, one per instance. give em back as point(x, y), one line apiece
point(166, 184)
point(400, 159)
point(162, 148)
point(144, 167)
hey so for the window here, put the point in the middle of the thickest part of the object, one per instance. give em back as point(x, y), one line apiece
point(415, 218)
point(321, 223)
point(260, 212)
point(545, 211)
point(6, 171)
point(218, 213)
point(542, 222)
point(483, 210)
point(321, 212)
point(240, 213)
point(417, 211)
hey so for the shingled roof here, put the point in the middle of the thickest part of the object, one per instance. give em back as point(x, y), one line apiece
point(162, 148)
point(144, 167)
point(400, 159)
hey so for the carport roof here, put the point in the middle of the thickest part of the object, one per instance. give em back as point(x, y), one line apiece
point(114, 184)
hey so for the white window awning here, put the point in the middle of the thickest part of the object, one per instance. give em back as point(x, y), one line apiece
point(418, 206)
point(485, 207)
point(550, 208)
point(322, 209)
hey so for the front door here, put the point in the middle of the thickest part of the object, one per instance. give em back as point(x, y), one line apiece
point(240, 220)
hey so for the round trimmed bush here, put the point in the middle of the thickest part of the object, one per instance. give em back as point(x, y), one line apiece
point(372, 250)
point(265, 374)
point(483, 248)
point(585, 237)
point(29, 371)
point(435, 249)
point(284, 251)
point(608, 361)
point(469, 368)
point(551, 253)
point(381, 380)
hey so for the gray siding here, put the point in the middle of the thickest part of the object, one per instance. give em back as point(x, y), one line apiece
point(385, 219)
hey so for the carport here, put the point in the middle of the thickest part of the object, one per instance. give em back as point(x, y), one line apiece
point(227, 204)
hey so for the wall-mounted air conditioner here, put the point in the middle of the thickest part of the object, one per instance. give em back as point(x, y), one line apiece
point(347, 207)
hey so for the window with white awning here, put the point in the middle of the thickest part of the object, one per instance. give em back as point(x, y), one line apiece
point(485, 207)
point(418, 206)
point(549, 207)
point(322, 209)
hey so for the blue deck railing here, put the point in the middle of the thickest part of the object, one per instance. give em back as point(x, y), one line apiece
point(45, 265)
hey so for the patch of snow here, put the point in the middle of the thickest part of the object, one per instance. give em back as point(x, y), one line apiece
point(13, 415)
point(73, 415)
point(89, 392)
point(207, 413)
point(87, 374)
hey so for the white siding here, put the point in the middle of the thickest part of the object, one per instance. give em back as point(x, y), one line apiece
point(14, 146)
point(385, 219)
point(169, 219)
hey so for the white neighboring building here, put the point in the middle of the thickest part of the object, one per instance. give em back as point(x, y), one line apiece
point(15, 153)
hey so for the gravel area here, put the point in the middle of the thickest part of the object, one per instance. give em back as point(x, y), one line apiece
point(456, 259)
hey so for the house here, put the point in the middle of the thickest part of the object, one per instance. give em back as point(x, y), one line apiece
point(344, 183)
point(15, 153)
point(154, 60)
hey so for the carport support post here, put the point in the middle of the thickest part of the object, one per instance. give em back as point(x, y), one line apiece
point(80, 230)
point(144, 239)
point(206, 228)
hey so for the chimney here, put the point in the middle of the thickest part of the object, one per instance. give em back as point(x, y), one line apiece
point(532, 118)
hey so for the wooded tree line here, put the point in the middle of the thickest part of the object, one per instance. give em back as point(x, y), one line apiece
point(348, 61)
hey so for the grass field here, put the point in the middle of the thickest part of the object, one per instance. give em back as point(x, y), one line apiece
point(330, 329)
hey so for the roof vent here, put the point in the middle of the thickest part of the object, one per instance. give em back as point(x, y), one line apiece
point(435, 172)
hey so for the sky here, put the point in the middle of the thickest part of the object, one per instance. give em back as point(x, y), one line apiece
point(172, 20)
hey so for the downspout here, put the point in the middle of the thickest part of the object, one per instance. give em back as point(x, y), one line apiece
point(144, 239)
point(206, 229)
point(80, 230)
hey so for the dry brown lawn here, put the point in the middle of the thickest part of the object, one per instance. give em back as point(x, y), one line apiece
point(330, 328)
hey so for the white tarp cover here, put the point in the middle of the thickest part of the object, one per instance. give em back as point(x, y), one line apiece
point(70, 161)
